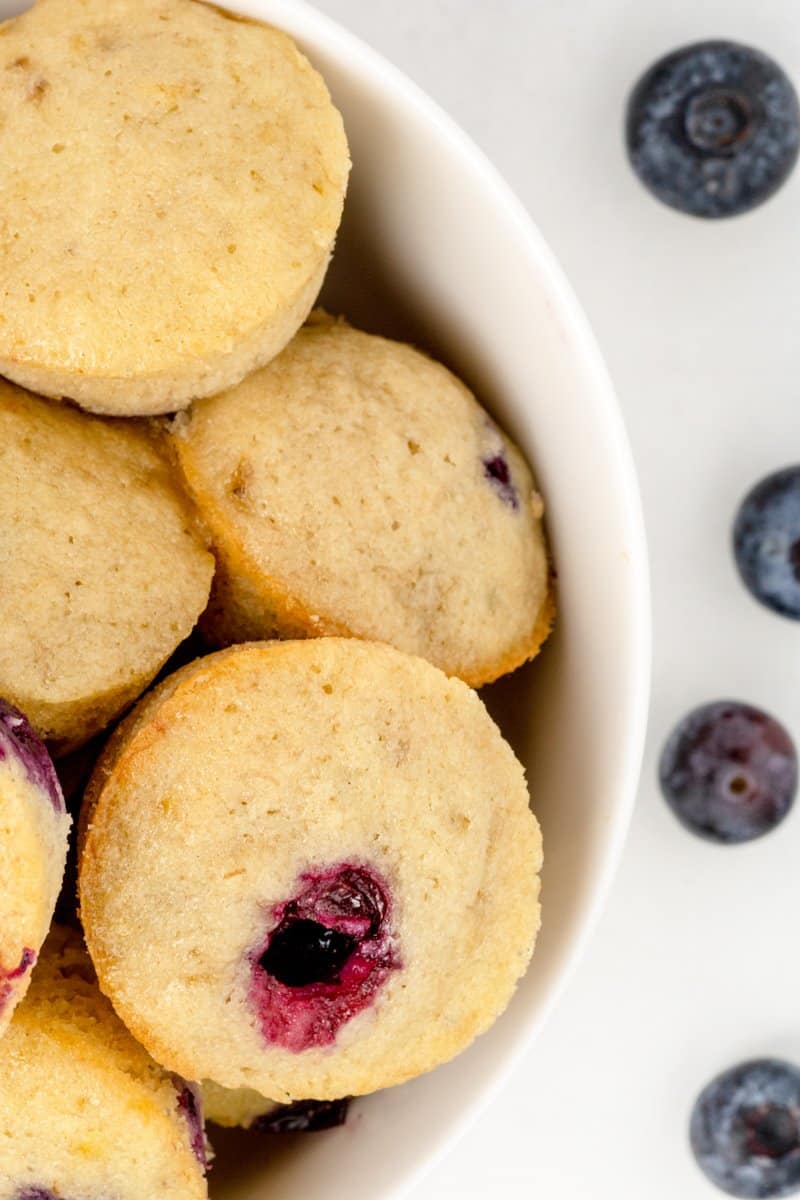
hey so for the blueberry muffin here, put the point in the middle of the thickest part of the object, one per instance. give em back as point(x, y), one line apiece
point(279, 844)
point(84, 1112)
point(354, 487)
point(103, 573)
point(173, 179)
point(33, 849)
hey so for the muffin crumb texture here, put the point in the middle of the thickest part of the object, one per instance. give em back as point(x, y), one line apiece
point(355, 487)
point(103, 569)
point(84, 1111)
point(173, 183)
point(274, 850)
point(253, 563)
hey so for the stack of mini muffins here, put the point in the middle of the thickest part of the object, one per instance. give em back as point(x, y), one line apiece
point(307, 867)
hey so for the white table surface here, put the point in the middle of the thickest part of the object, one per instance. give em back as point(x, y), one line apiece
point(695, 963)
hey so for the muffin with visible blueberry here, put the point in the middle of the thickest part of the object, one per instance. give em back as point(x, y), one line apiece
point(356, 488)
point(174, 178)
point(34, 826)
point(85, 1113)
point(103, 571)
point(303, 830)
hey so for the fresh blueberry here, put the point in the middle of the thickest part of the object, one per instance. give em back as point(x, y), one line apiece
point(301, 952)
point(304, 1116)
point(745, 1129)
point(713, 129)
point(766, 541)
point(729, 772)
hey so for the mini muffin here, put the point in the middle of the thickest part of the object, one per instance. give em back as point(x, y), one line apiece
point(173, 179)
point(84, 1111)
point(242, 1107)
point(103, 573)
point(356, 488)
point(309, 868)
point(33, 849)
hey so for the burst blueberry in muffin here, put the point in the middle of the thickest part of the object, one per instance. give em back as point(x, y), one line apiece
point(300, 827)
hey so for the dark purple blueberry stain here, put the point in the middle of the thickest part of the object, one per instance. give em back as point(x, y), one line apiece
point(304, 1116)
point(729, 772)
point(16, 733)
point(745, 1130)
point(302, 952)
point(766, 542)
point(191, 1108)
point(9, 977)
point(328, 952)
point(713, 129)
point(497, 470)
point(35, 1193)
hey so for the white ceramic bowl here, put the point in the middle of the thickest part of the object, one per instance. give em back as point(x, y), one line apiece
point(436, 249)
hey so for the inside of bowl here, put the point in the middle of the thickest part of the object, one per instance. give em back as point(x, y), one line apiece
point(434, 251)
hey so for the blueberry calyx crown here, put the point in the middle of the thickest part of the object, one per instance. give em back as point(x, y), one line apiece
point(719, 121)
point(770, 1132)
point(729, 772)
point(745, 1129)
point(713, 129)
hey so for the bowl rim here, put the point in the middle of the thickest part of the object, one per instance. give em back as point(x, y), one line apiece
point(315, 29)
